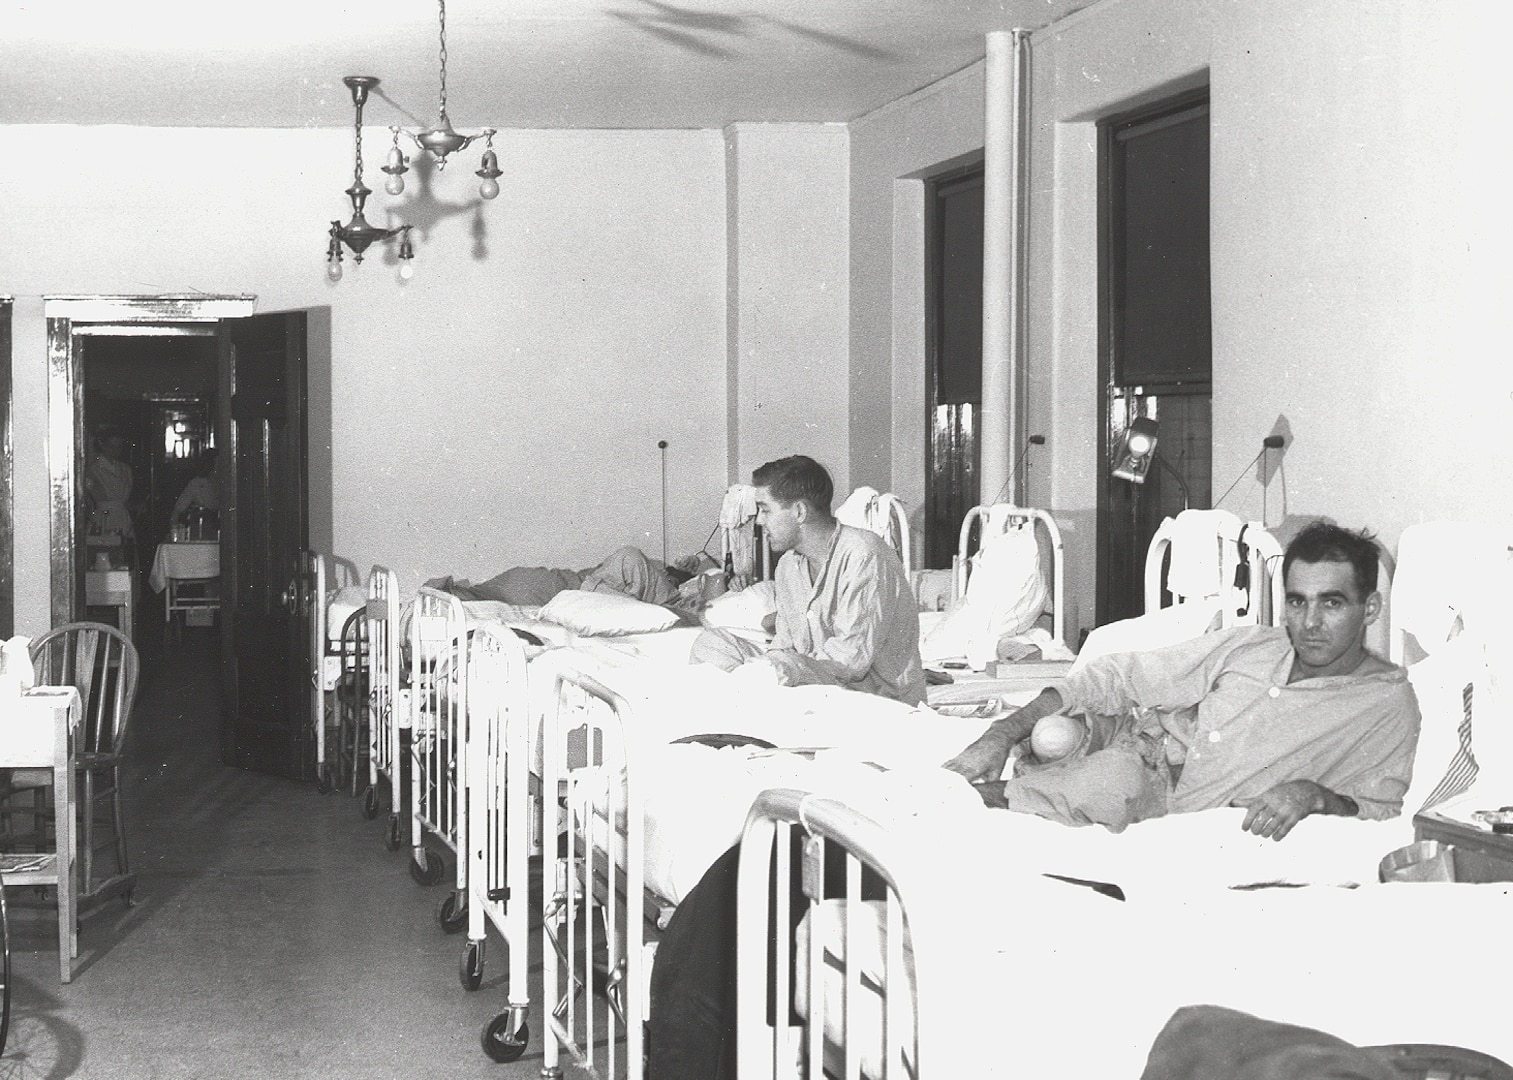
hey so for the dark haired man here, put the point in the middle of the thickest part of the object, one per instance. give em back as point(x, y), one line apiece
point(1285, 722)
point(846, 615)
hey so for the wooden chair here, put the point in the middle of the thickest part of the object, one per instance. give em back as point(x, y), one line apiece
point(102, 664)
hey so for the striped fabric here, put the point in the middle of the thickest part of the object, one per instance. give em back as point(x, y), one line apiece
point(1462, 772)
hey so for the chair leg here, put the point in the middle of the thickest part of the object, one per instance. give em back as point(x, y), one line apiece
point(87, 856)
point(119, 822)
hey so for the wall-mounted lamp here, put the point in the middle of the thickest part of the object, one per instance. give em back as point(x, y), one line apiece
point(1138, 450)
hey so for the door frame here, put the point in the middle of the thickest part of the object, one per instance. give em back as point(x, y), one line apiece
point(7, 477)
point(72, 316)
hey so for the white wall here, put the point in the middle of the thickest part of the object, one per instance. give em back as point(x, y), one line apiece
point(503, 407)
point(893, 150)
point(788, 295)
point(1359, 250)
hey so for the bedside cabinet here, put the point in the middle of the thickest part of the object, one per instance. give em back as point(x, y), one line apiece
point(1480, 855)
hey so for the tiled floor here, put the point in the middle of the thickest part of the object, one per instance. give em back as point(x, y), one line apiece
point(273, 934)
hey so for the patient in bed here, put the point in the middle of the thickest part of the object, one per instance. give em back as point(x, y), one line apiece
point(626, 570)
point(1286, 723)
point(846, 615)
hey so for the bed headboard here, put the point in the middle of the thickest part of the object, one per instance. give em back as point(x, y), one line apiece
point(1001, 517)
point(1202, 554)
point(881, 513)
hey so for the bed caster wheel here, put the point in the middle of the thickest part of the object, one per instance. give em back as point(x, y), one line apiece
point(370, 803)
point(426, 868)
point(453, 913)
point(502, 1041)
point(394, 839)
point(323, 783)
point(470, 972)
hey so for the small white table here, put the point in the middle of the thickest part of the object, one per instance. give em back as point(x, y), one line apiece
point(41, 731)
point(112, 589)
point(193, 562)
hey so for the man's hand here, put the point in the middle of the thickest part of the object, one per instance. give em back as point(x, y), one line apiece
point(1273, 813)
point(983, 760)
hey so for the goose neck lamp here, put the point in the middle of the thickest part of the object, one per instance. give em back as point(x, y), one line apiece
point(1138, 450)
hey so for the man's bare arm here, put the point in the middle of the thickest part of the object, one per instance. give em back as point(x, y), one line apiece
point(984, 759)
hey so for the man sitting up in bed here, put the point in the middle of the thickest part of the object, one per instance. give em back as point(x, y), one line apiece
point(1285, 723)
point(846, 615)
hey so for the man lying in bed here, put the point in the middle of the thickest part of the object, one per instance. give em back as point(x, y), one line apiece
point(1286, 723)
point(846, 615)
point(627, 571)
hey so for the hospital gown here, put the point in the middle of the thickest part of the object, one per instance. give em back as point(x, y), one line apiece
point(1221, 706)
point(855, 623)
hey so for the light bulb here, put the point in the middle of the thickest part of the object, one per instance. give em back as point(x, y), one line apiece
point(1139, 444)
point(489, 188)
point(406, 269)
point(333, 269)
point(395, 184)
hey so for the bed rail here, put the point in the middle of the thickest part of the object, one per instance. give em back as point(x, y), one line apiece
point(593, 915)
point(388, 705)
point(500, 825)
point(849, 981)
point(438, 718)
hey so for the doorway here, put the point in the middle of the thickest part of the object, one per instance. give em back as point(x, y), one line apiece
point(260, 420)
point(151, 399)
point(1155, 331)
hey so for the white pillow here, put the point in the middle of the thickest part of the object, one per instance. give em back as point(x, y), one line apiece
point(605, 614)
point(743, 609)
point(1005, 595)
point(1153, 630)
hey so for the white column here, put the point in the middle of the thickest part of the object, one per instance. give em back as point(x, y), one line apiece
point(1001, 242)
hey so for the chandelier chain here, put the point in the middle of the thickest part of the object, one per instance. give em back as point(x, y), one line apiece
point(357, 130)
point(443, 4)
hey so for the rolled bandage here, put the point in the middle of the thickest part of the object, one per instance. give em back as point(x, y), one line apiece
point(1057, 736)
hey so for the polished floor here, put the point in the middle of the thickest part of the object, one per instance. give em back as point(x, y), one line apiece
point(272, 936)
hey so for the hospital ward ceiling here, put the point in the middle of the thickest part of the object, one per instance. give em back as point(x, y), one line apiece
point(511, 63)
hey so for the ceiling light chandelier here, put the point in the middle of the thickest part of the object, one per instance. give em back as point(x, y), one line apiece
point(440, 141)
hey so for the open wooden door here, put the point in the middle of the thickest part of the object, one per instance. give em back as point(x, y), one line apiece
point(265, 643)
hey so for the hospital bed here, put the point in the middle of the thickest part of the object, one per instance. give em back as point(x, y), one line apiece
point(1300, 932)
point(336, 594)
point(499, 803)
point(653, 772)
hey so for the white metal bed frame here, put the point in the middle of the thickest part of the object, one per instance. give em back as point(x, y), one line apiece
point(915, 1042)
point(388, 705)
point(1249, 560)
point(323, 572)
point(588, 789)
point(1007, 515)
point(499, 798)
point(438, 729)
